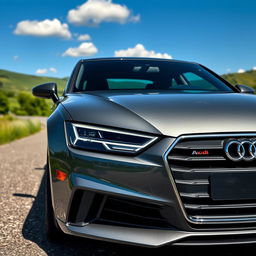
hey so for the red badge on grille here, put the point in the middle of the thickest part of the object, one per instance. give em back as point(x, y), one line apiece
point(199, 153)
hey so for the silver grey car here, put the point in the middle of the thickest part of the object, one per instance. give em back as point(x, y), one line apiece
point(151, 152)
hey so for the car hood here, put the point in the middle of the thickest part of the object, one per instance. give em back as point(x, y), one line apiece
point(171, 114)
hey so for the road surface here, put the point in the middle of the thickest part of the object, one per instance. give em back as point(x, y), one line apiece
point(22, 210)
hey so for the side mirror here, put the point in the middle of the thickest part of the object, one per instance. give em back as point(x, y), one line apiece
point(47, 91)
point(245, 89)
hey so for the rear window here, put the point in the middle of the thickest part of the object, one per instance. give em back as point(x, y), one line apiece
point(146, 75)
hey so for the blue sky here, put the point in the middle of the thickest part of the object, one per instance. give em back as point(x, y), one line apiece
point(36, 35)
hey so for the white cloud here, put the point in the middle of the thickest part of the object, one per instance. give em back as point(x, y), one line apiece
point(93, 12)
point(43, 28)
point(135, 19)
point(84, 49)
point(41, 71)
point(240, 70)
point(254, 68)
point(84, 37)
point(16, 58)
point(140, 51)
point(228, 70)
point(53, 70)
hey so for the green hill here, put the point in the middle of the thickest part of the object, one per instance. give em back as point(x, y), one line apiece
point(246, 78)
point(15, 82)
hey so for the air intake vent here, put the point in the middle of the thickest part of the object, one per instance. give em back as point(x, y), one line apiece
point(91, 207)
point(133, 213)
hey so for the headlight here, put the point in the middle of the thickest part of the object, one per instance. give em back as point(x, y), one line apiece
point(89, 137)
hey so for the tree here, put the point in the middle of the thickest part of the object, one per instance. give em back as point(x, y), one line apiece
point(4, 103)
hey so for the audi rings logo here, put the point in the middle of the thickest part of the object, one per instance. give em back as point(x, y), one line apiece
point(238, 150)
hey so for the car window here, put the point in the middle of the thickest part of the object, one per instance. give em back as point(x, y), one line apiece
point(146, 75)
point(79, 81)
point(191, 80)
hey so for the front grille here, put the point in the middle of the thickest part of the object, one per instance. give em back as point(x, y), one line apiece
point(192, 161)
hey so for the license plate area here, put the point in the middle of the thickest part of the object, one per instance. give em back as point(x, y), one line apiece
point(233, 186)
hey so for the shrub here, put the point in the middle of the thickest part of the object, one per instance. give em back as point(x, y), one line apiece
point(19, 112)
point(29, 105)
point(12, 128)
point(4, 103)
point(10, 94)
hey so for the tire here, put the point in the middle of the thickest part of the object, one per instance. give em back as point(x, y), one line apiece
point(52, 229)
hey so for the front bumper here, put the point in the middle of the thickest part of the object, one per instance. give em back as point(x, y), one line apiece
point(144, 179)
point(157, 238)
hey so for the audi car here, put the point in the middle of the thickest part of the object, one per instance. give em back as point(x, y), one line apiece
point(151, 152)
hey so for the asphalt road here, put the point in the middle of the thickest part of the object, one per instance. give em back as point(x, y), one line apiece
point(22, 211)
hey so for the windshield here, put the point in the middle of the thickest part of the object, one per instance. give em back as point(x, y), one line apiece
point(146, 75)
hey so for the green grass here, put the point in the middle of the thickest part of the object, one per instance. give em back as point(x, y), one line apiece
point(12, 128)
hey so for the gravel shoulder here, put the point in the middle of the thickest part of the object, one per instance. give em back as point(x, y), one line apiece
point(21, 170)
point(22, 210)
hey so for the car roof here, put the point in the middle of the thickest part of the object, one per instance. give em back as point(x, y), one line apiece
point(133, 58)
